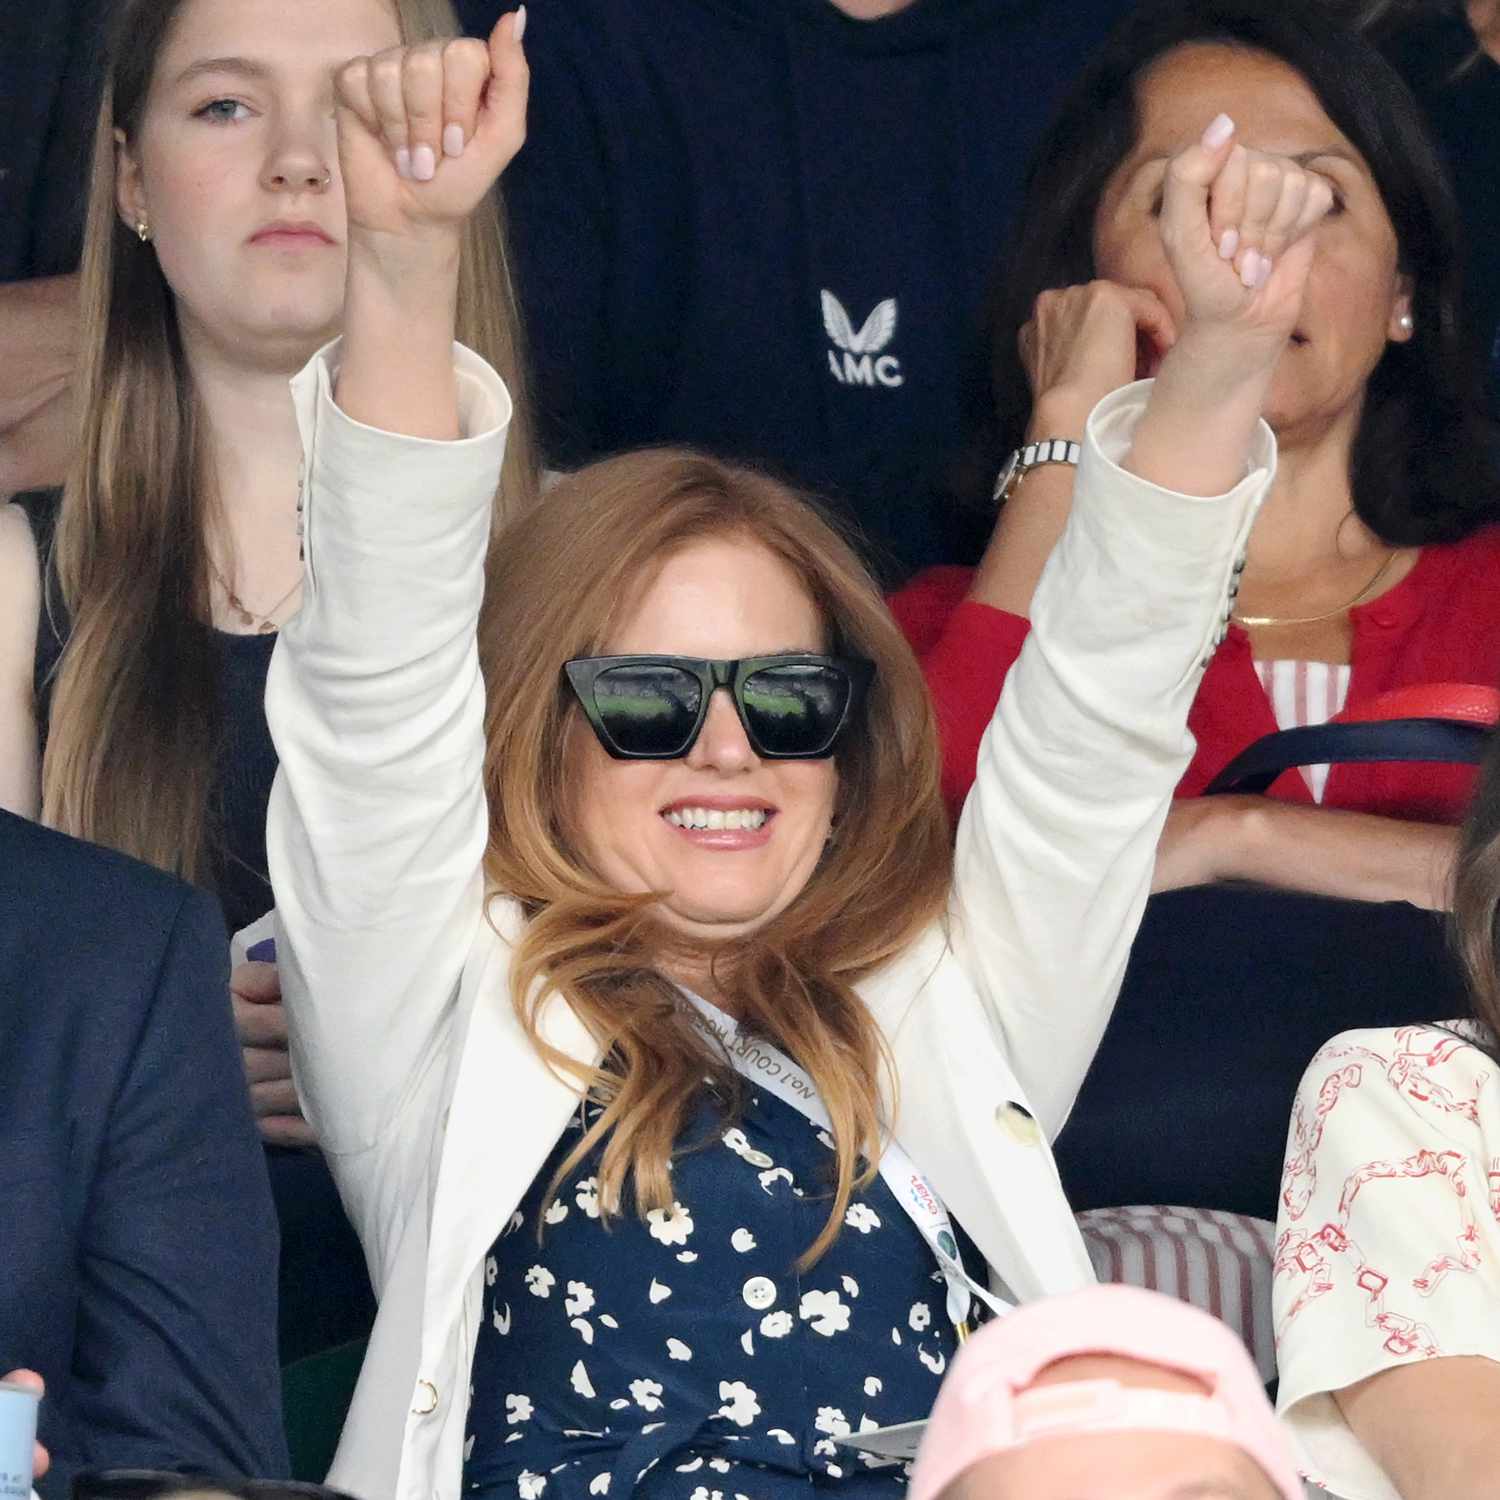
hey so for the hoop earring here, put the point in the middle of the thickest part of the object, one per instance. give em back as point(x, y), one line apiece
point(143, 231)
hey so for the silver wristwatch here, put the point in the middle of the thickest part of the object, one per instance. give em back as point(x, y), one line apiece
point(1033, 456)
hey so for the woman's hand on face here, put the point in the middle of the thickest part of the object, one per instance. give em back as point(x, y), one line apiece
point(425, 131)
point(1082, 342)
point(1237, 228)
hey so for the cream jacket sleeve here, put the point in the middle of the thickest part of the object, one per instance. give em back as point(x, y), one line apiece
point(1057, 841)
point(377, 823)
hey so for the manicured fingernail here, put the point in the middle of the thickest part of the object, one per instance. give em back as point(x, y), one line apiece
point(1229, 242)
point(403, 162)
point(520, 22)
point(1263, 272)
point(423, 164)
point(1220, 128)
point(1249, 268)
point(453, 140)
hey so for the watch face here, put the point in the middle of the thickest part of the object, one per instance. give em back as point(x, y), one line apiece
point(1007, 475)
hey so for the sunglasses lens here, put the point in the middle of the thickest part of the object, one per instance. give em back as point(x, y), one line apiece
point(796, 709)
point(648, 709)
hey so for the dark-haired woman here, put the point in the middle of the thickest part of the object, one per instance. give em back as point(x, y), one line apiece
point(1375, 564)
point(1387, 1289)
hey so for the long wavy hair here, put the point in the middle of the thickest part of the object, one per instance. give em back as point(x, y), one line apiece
point(1422, 468)
point(1474, 927)
point(559, 585)
point(135, 725)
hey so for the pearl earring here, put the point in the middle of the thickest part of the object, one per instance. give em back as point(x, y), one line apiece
point(1407, 322)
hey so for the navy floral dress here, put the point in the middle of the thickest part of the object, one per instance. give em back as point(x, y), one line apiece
point(686, 1356)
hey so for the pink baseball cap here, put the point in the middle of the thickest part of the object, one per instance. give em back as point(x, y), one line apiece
point(985, 1405)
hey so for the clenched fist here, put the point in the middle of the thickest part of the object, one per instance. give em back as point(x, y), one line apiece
point(425, 131)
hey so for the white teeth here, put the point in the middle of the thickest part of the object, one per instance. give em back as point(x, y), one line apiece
point(716, 818)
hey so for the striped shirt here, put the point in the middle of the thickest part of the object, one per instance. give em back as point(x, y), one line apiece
point(1303, 693)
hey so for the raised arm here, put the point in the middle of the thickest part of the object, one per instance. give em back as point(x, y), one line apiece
point(377, 822)
point(1057, 841)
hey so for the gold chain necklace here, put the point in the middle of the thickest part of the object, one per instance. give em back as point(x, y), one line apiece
point(258, 624)
point(1253, 621)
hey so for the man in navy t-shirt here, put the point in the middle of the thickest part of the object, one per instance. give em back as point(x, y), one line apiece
point(767, 227)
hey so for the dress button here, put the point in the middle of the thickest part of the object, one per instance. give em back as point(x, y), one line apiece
point(426, 1399)
point(759, 1293)
point(1019, 1123)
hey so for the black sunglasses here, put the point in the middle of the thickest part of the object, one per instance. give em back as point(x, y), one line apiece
point(653, 707)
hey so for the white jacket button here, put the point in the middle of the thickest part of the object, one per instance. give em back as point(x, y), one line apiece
point(1019, 1123)
point(759, 1293)
point(425, 1400)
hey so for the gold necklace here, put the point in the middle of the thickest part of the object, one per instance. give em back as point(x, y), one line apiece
point(1253, 621)
point(258, 624)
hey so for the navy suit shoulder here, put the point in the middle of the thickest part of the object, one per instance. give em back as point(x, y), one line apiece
point(141, 1245)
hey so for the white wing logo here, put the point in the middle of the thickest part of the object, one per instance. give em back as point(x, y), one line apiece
point(879, 328)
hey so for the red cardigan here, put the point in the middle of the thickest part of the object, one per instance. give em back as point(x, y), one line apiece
point(1441, 623)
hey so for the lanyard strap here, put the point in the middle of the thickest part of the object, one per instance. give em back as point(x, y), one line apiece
point(771, 1069)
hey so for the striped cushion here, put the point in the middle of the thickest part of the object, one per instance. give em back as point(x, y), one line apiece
point(1218, 1261)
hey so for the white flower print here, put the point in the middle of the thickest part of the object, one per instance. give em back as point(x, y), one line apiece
point(581, 1382)
point(826, 1311)
point(691, 1466)
point(920, 1317)
point(529, 1485)
point(747, 1342)
point(608, 1320)
point(586, 1196)
point(736, 1140)
point(647, 1394)
point(742, 1240)
point(776, 1174)
point(514, 1223)
point(783, 1437)
point(687, 1257)
point(518, 1408)
point(491, 1270)
point(873, 1386)
point(502, 1324)
point(658, 1292)
point(937, 1363)
point(862, 1217)
point(895, 1335)
point(834, 1472)
point(705, 1494)
point(741, 1405)
point(557, 1211)
point(469, 1446)
point(583, 1328)
point(580, 1298)
point(825, 1448)
point(540, 1281)
point(850, 1285)
point(671, 1227)
point(619, 1404)
point(676, 1349)
point(776, 1325)
point(832, 1421)
point(827, 1140)
point(719, 1465)
point(599, 1484)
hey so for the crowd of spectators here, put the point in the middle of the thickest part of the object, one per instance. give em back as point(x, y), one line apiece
point(695, 671)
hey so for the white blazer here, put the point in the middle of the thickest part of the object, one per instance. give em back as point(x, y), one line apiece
point(435, 1111)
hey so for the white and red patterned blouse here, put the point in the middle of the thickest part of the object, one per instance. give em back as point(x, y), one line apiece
point(1388, 1237)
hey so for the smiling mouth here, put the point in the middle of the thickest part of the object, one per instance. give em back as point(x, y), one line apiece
point(714, 819)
